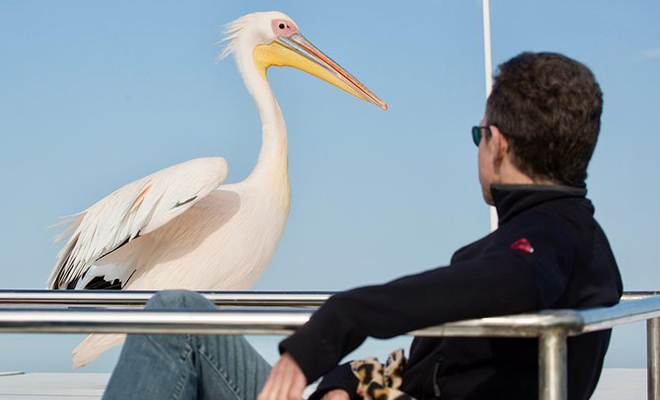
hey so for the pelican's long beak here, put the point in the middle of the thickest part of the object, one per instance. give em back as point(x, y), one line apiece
point(296, 51)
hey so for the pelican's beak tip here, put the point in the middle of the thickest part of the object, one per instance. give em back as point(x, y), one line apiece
point(384, 106)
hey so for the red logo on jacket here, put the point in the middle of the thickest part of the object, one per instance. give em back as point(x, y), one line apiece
point(522, 244)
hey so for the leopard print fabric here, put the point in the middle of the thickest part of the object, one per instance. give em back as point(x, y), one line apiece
point(381, 382)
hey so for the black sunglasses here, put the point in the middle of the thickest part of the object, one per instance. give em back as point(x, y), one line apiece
point(476, 133)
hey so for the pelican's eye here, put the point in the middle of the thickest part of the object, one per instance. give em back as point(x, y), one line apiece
point(282, 27)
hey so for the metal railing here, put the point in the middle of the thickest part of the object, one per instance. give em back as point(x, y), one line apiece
point(552, 327)
point(137, 299)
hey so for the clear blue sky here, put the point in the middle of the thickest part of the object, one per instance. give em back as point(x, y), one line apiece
point(96, 94)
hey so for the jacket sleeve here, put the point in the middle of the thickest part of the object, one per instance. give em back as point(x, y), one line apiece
point(339, 378)
point(497, 281)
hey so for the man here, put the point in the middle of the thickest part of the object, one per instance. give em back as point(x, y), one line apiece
point(535, 142)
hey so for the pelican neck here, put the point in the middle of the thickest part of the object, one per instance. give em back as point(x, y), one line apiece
point(273, 156)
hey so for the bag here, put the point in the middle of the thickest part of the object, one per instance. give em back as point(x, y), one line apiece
point(381, 382)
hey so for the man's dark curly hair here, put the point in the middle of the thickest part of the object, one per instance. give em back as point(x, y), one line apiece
point(548, 107)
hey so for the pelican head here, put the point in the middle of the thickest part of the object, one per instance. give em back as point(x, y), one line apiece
point(273, 38)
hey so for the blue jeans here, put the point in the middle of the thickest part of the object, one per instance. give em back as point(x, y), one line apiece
point(195, 367)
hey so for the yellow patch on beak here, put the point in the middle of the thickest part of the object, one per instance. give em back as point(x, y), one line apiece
point(266, 55)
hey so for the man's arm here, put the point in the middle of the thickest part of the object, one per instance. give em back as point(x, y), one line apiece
point(340, 379)
point(500, 281)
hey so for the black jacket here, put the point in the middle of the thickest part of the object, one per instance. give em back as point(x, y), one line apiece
point(548, 253)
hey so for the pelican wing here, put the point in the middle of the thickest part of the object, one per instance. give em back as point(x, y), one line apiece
point(135, 209)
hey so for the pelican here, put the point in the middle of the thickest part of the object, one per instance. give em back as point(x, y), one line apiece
point(181, 227)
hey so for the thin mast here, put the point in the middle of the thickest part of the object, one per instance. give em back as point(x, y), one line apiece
point(488, 62)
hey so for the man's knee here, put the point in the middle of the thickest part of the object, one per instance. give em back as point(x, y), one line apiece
point(179, 299)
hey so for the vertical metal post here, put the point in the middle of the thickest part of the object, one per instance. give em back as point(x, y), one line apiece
point(653, 358)
point(552, 365)
point(488, 71)
point(488, 58)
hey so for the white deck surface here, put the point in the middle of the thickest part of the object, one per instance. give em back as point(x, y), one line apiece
point(52, 386)
point(615, 384)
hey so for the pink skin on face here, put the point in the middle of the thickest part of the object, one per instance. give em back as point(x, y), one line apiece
point(282, 27)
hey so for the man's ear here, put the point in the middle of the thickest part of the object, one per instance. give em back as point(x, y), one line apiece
point(499, 146)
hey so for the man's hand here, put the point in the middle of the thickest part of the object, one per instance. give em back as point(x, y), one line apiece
point(336, 394)
point(285, 382)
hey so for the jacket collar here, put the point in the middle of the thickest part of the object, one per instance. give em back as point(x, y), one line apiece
point(511, 200)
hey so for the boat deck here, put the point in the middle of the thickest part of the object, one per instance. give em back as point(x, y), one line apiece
point(615, 384)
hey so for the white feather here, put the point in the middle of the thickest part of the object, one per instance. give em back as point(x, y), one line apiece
point(93, 345)
point(137, 208)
